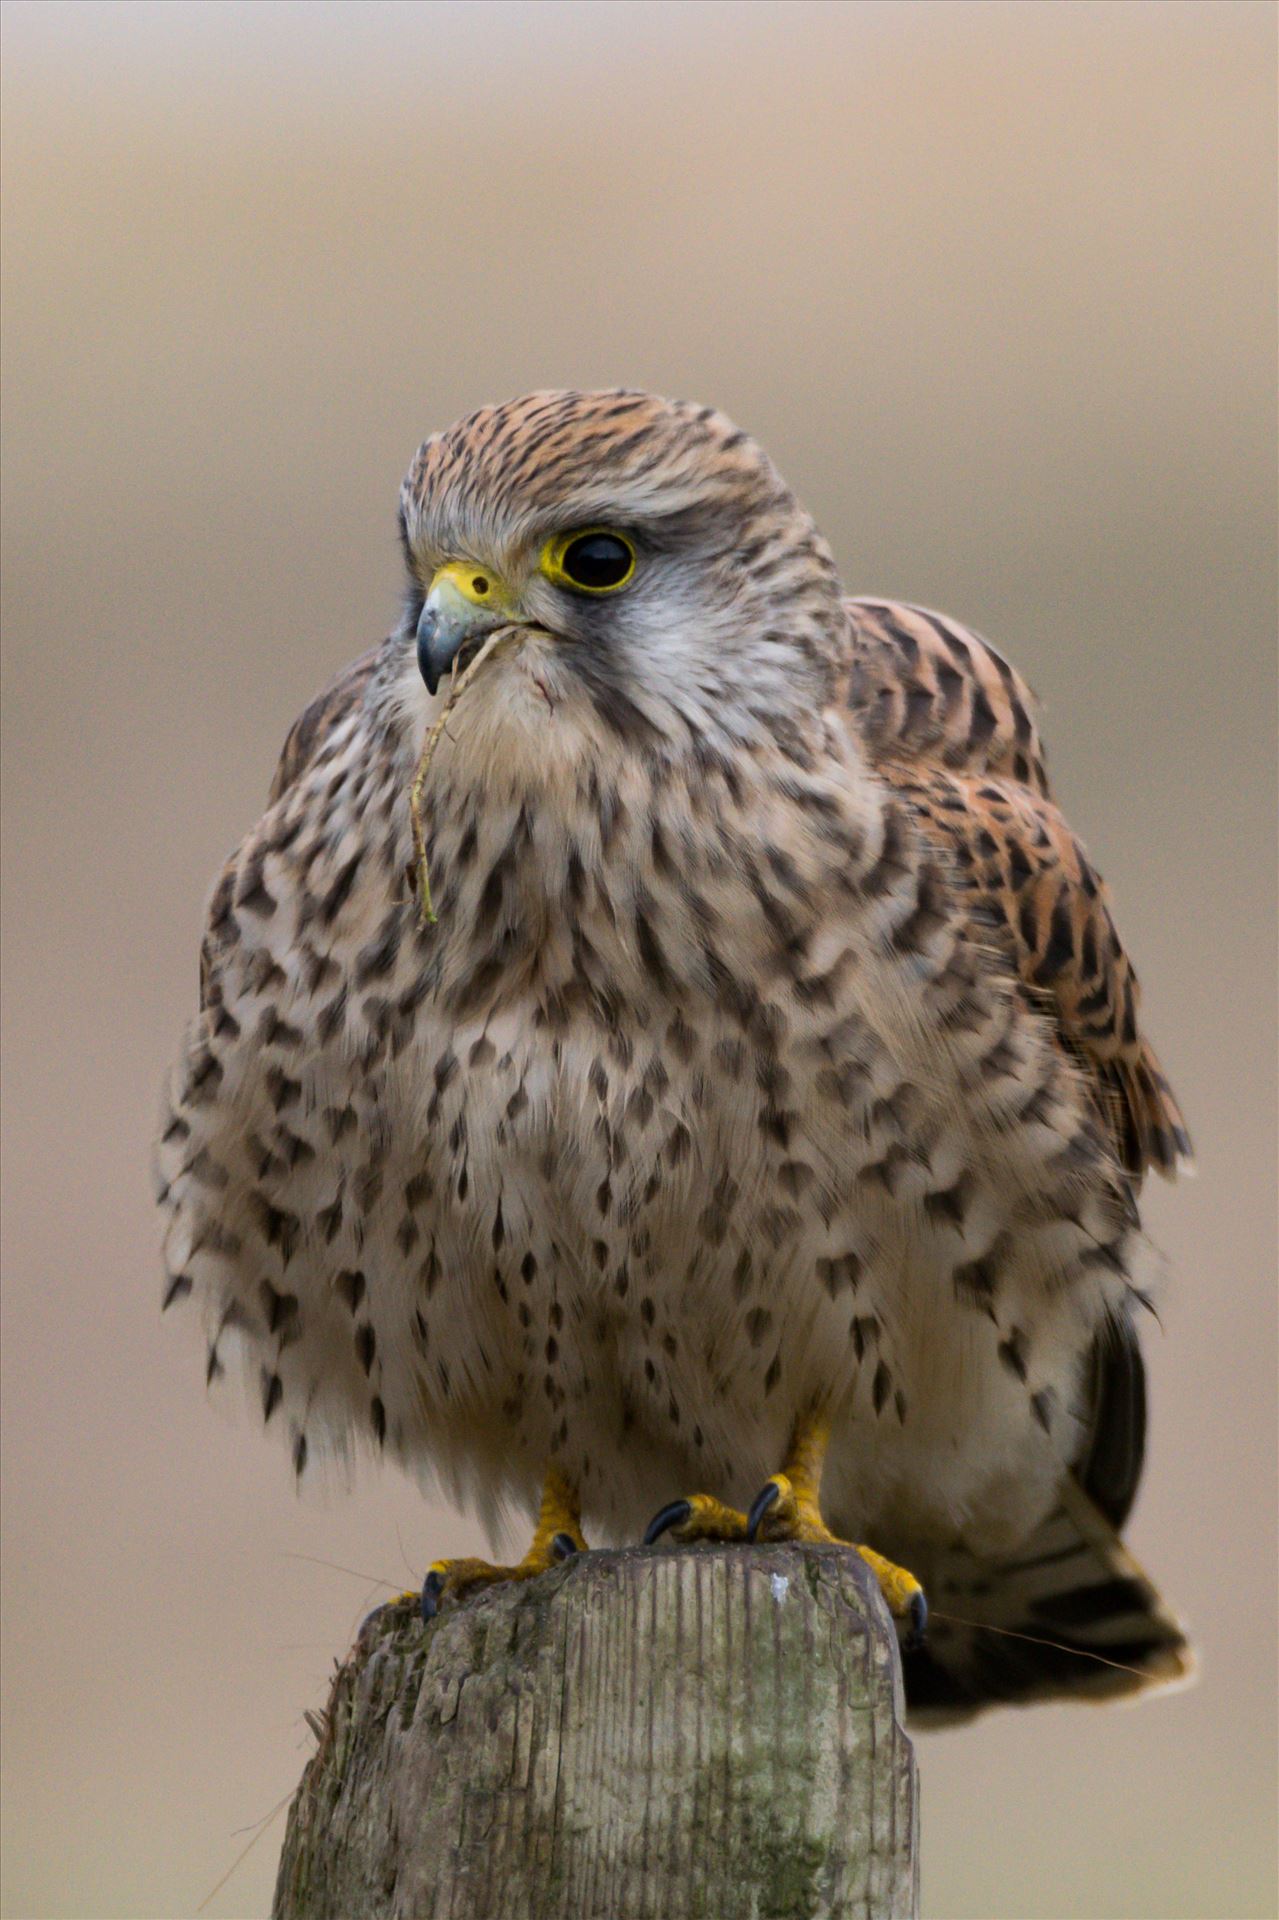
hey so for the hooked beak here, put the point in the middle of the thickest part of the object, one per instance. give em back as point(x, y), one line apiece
point(464, 603)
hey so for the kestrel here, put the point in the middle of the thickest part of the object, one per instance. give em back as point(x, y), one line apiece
point(753, 1128)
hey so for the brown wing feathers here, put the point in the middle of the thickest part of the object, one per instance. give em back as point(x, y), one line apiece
point(926, 689)
point(950, 726)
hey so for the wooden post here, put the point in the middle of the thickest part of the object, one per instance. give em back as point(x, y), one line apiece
point(668, 1733)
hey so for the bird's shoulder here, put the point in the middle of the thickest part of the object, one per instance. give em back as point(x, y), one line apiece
point(922, 687)
point(949, 726)
point(242, 882)
point(314, 726)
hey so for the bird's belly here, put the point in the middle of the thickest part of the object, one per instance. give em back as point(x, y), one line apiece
point(641, 1256)
point(640, 1261)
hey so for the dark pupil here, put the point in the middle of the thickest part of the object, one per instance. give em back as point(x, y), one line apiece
point(597, 560)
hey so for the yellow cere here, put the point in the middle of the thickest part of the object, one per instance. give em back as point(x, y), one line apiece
point(474, 583)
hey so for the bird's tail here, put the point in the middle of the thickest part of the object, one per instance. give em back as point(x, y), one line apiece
point(1070, 1616)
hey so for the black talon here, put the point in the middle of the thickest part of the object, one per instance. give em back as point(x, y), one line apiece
point(673, 1515)
point(564, 1546)
point(432, 1588)
point(767, 1497)
point(918, 1622)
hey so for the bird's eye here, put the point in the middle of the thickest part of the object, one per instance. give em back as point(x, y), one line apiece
point(593, 561)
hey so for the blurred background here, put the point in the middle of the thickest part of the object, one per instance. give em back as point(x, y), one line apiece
point(995, 284)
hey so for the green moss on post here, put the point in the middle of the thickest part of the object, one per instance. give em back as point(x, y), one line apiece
point(712, 1733)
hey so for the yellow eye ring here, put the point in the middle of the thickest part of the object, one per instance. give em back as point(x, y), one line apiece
point(589, 560)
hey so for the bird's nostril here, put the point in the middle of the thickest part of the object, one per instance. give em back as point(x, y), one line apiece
point(480, 584)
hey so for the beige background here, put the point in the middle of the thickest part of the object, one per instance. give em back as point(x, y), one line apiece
point(996, 286)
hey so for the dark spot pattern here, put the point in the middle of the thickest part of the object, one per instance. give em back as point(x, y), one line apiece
point(677, 1089)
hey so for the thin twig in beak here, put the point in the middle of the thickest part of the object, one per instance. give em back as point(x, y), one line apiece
point(458, 683)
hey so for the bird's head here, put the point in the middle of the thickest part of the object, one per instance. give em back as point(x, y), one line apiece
point(646, 551)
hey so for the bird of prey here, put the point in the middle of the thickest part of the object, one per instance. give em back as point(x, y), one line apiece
point(752, 1130)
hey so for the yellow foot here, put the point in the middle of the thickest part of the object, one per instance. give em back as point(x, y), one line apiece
point(558, 1537)
point(700, 1517)
point(786, 1509)
point(447, 1579)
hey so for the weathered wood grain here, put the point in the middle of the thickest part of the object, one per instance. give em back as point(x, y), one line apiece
point(709, 1732)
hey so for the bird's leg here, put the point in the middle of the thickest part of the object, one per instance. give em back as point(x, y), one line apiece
point(787, 1507)
point(557, 1535)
